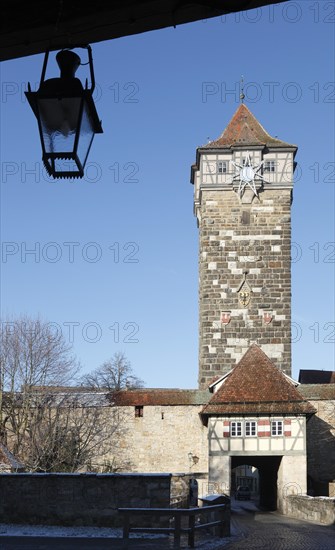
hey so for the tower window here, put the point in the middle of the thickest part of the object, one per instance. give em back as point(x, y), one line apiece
point(236, 429)
point(277, 427)
point(270, 166)
point(250, 428)
point(139, 411)
point(221, 167)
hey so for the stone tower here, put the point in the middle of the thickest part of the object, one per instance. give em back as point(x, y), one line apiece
point(242, 200)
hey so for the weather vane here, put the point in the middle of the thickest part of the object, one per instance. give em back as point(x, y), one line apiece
point(242, 96)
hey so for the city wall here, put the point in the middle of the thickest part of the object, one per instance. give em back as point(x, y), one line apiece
point(83, 499)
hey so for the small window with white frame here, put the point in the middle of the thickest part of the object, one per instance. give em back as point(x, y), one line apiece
point(269, 166)
point(236, 429)
point(222, 167)
point(277, 427)
point(250, 428)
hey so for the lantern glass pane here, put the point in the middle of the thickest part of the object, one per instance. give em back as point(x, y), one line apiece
point(58, 166)
point(86, 135)
point(59, 122)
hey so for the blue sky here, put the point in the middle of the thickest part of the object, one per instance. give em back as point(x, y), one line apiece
point(115, 262)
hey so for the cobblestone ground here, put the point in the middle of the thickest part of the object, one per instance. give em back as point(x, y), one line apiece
point(270, 531)
point(251, 530)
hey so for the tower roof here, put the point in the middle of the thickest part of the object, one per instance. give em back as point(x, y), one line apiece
point(245, 130)
point(257, 386)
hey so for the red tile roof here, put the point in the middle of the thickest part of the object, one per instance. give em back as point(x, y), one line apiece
point(154, 396)
point(214, 379)
point(318, 392)
point(244, 129)
point(257, 386)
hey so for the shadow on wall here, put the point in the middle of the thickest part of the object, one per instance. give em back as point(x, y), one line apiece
point(320, 456)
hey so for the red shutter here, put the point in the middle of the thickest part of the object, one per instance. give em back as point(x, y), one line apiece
point(287, 427)
point(226, 428)
point(263, 428)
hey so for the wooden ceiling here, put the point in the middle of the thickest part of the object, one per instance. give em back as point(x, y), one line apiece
point(29, 28)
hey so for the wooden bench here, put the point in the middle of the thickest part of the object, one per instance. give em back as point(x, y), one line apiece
point(176, 515)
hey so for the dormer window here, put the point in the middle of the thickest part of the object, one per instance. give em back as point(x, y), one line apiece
point(269, 166)
point(222, 167)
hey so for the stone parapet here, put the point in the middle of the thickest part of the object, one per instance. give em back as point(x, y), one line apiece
point(318, 509)
point(79, 499)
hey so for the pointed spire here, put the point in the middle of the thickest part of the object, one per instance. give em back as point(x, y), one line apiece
point(245, 130)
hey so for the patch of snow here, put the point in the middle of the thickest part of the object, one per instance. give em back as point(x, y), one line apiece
point(11, 529)
point(57, 531)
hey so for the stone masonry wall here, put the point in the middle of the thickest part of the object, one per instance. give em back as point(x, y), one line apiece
point(321, 446)
point(244, 239)
point(164, 439)
point(319, 509)
point(180, 490)
point(78, 499)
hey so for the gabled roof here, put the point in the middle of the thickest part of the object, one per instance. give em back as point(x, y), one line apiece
point(257, 386)
point(245, 130)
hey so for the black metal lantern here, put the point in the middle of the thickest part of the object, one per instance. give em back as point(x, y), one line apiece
point(66, 116)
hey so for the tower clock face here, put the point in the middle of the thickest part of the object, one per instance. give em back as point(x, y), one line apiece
point(247, 173)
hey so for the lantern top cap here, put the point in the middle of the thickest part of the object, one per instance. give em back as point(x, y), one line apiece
point(68, 62)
